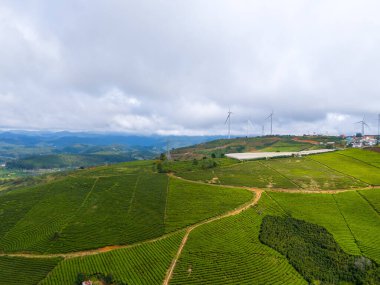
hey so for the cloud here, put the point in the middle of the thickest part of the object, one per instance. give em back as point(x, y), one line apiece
point(169, 67)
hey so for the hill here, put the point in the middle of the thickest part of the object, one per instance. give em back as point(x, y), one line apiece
point(205, 221)
point(220, 147)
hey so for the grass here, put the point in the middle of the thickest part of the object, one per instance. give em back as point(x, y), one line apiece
point(350, 166)
point(287, 145)
point(311, 175)
point(190, 202)
point(142, 264)
point(228, 251)
point(26, 271)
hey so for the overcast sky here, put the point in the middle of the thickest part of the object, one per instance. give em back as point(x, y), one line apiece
point(175, 67)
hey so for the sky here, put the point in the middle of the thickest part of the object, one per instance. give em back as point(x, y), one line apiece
point(176, 67)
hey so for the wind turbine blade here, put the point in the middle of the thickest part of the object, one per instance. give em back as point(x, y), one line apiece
point(227, 118)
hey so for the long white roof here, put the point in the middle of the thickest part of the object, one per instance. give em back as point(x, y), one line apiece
point(258, 155)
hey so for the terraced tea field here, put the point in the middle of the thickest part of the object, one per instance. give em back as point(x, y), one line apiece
point(351, 166)
point(16, 270)
point(228, 251)
point(251, 174)
point(352, 220)
point(142, 264)
point(308, 174)
point(367, 156)
point(145, 227)
point(316, 172)
point(80, 213)
point(189, 203)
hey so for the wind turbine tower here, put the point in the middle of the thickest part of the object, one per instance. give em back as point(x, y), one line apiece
point(363, 123)
point(249, 126)
point(168, 154)
point(271, 122)
point(228, 120)
point(378, 129)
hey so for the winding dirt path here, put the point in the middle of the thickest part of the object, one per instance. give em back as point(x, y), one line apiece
point(237, 211)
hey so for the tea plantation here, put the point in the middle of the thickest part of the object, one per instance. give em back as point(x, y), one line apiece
point(187, 222)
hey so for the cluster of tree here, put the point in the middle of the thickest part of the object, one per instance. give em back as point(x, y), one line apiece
point(105, 279)
point(314, 253)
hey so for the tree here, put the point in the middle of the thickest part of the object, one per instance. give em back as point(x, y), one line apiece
point(108, 279)
point(159, 167)
point(80, 278)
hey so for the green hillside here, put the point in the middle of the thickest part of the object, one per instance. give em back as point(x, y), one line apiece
point(52, 161)
point(228, 251)
point(17, 270)
point(252, 144)
point(350, 218)
point(316, 172)
point(103, 208)
point(142, 264)
point(194, 222)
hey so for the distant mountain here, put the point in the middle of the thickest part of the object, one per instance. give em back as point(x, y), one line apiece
point(64, 139)
point(36, 150)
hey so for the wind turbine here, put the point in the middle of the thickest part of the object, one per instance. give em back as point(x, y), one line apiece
point(168, 154)
point(249, 124)
point(229, 122)
point(364, 124)
point(378, 129)
point(271, 122)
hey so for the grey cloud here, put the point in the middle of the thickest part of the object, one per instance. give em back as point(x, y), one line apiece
point(175, 67)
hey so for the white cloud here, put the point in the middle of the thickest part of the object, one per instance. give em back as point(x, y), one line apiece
point(176, 67)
